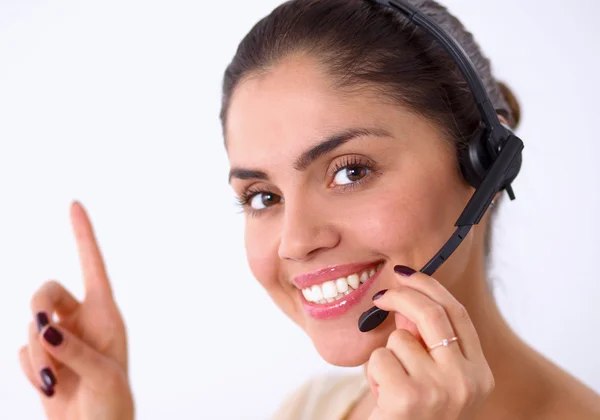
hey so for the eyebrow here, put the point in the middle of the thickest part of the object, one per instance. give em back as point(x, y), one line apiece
point(305, 159)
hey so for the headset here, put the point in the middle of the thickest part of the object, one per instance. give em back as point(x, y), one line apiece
point(490, 163)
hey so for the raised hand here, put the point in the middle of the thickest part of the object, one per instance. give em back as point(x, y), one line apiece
point(410, 382)
point(79, 363)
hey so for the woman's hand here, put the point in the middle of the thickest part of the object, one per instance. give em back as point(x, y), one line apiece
point(79, 364)
point(411, 383)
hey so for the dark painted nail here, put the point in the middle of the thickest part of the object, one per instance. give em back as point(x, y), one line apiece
point(48, 377)
point(53, 336)
point(48, 391)
point(42, 320)
point(404, 270)
point(379, 294)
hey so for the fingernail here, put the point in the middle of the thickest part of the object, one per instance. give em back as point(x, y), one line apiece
point(48, 377)
point(379, 294)
point(42, 320)
point(48, 391)
point(404, 270)
point(53, 336)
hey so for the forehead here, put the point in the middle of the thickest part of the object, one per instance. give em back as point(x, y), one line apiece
point(290, 107)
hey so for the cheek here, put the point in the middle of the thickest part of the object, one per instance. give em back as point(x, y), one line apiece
point(406, 223)
point(261, 252)
point(410, 217)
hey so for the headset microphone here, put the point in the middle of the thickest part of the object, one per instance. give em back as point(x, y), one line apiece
point(490, 163)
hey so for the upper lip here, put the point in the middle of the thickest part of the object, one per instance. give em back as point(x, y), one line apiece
point(333, 272)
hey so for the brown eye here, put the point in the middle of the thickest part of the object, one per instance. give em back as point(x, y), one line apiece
point(351, 174)
point(263, 200)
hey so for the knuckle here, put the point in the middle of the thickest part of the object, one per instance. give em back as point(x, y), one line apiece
point(465, 390)
point(378, 359)
point(51, 285)
point(41, 295)
point(435, 398)
point(408, 401)
point(434, 314)
point(461, 312)
point(377, 356)
point(34, 302)
point(489, 383)
point(397, 338)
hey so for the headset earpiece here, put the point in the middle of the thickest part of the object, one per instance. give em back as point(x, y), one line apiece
point(474, 159)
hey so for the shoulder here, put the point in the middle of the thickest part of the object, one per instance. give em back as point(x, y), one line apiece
point(570, 409)
point(322, 396)
point(575, 400)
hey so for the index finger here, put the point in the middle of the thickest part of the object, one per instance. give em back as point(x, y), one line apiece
point(457, 313)
point(94, 273)
point(429, 316)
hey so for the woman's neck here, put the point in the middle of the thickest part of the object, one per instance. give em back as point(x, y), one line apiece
point(517, 368)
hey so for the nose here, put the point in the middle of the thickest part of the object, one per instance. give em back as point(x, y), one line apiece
point(307, 229)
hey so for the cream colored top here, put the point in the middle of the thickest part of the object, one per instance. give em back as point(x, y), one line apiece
point(325, 397)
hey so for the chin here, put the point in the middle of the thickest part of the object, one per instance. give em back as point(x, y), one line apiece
point(347, 346)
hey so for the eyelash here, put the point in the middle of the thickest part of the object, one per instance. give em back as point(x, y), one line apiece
point(244, 200)
point(347, 162)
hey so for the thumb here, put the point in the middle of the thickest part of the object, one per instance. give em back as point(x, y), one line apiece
point(92, 266)
point(91, 366)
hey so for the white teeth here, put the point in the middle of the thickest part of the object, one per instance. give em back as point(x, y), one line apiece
point(333, 290)
point(353, 280)
point(329, 290)
point(307, 294)
point(341, 285)
point(364, 277)
point(316, 292)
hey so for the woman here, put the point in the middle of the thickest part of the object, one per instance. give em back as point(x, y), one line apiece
point(342, 124)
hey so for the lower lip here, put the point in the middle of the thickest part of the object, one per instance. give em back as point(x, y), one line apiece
point(339, 307)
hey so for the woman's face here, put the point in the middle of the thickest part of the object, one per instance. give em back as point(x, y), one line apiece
point(337, 184)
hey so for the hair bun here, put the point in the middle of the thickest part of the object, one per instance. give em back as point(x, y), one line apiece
point(512, 102)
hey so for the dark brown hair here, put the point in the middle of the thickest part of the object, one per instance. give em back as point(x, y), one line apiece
point(366, 46)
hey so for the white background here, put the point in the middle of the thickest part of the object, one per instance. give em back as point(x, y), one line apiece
point(115, 103)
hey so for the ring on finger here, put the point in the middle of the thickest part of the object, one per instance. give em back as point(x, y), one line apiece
point(445, 343)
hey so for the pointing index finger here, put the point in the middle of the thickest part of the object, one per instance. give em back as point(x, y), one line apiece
point(94, 272)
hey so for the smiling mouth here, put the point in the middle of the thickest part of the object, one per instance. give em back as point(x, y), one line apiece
point(334, 290)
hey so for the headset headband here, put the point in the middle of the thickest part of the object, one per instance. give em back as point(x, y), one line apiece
point(495, 127)
point(503, 146)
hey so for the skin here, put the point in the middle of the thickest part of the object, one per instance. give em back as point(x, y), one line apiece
point(400, 214)
point(90, 364)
